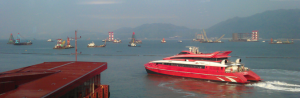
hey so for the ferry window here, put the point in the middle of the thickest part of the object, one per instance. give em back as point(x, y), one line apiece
point(184, 53)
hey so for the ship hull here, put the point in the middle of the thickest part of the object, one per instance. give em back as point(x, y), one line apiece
point(22, 43)
point(134, 46)
point(237, 77)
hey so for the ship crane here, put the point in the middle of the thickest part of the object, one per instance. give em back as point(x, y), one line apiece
point(220, 38)
point(204, 34)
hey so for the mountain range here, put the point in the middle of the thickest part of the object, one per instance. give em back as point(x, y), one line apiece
point(270, 24)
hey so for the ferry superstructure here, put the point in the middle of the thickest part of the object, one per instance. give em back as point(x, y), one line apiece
point(193, 54)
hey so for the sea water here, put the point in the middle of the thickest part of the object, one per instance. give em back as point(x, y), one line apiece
point(277, 64)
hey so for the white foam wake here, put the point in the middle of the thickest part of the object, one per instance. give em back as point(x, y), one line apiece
point(277, 85)
point(175, 90)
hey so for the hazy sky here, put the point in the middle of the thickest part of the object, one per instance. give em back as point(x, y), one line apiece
point(50, 17)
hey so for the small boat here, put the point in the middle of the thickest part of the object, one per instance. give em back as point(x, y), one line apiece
point(263, 41)
point(18, 41)
point(94, 45)
point(134, 45)
point(116, 41)
point(179, 41)
point(11, 39)
point(49, 40)
point(133, 41)
point(163, 40)
point(91, 44)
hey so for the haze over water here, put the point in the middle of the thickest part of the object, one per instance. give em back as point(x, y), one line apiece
point(278, 65)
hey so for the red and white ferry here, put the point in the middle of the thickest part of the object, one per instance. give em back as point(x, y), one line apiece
point(224, 70)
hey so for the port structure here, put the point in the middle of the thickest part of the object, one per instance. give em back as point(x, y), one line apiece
point(245, 37)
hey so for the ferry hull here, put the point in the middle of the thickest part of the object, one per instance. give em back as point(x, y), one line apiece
point(237, 77)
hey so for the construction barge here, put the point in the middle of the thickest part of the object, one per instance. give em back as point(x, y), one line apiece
point(61, 44)
point(202, 38)
point(281, 42)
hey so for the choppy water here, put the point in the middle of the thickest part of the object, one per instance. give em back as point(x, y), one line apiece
point(127, 77)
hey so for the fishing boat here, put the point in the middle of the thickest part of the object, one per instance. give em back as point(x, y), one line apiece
point(11, 39)
point(18, 41)
point(50, 40)
point(94, 45)
point(163, 40)
point(132, 43)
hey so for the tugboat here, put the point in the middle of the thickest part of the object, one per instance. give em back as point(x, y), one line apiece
point(117, 41)
point(134, 45)
point(91, 44)
point(68, 43)
point(49, 40)
point(11, 39)
point(210, 66)
point(132, 42)
point(163, 40)
point(18, 41)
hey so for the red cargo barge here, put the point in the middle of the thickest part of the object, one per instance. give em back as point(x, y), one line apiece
point(70, 79)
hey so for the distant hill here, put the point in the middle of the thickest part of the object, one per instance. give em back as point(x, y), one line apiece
point(156, 31)
point(270, 24)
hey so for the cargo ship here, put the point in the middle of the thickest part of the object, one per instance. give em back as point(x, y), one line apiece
point(203, 67)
